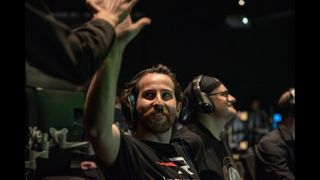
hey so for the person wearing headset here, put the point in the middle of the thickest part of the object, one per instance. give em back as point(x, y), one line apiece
point(275, 153)
point(210, 107)
point(151, 103)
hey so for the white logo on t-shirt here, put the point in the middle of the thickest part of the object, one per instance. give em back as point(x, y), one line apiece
point(181, 162)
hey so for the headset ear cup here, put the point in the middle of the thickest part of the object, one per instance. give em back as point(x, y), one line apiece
point(128, 109)
point(201, 99)
point(132, 111)
point(183, 116)
point(206, 105)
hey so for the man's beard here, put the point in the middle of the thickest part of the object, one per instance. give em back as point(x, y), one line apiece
point(157, 123)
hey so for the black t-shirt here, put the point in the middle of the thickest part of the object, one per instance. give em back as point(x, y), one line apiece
point(140, 160)
point(204, 149)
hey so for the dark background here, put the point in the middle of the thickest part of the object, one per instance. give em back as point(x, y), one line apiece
point(193, 37)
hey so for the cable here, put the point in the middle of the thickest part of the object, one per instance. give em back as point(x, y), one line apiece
point(184, 148)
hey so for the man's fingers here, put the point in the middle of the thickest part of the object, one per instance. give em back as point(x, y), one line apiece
point(141, 23)
point(131, 3)
point(92, 6)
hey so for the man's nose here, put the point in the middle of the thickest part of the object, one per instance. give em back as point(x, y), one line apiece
point(159, 107)
point(158, 104)
point(232, 99)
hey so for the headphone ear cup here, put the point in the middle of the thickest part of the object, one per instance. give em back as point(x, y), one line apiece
point(183, 116)
point(132, 107)
point(206, 105)
point(201, 99)
point(129, 110)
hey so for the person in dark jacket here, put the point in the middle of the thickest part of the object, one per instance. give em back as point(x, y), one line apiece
point(72, 54)
point(275, 153)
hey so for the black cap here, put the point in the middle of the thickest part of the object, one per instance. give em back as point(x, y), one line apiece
point(207, 85)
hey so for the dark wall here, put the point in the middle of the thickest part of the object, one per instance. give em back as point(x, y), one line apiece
point(192, 38)
point(253, 62)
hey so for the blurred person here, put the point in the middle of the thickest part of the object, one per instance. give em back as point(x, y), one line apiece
point(258, 124)
point(275, 153)
point(72, 54)
point(237, 133)
point(58, 57)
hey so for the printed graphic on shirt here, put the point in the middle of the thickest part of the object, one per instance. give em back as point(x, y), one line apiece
point(179, 162)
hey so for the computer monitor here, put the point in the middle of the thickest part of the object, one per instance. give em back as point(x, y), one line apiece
point(59, 109)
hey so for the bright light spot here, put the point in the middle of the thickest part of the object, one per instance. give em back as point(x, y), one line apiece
point(245, 20)
point(243, 145)
point(242, 115)
point(242, 2)
point(277, 117)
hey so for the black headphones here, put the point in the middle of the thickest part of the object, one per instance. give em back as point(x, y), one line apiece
point(184, 112)
point(200, 99)
point(132, 116)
